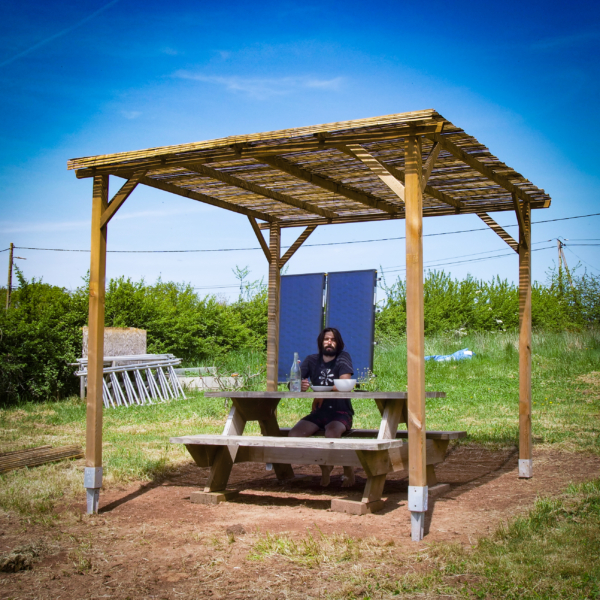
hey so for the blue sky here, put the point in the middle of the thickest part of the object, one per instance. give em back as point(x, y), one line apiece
point(91, 77)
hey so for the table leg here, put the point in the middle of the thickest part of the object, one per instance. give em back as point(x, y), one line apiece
point(225, 456)
point(271, 427)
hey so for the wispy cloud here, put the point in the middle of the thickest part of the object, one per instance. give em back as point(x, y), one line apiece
point(131, 114)
point(57, 35)
point(563, 41)
point(45, 226)
point(264, 87)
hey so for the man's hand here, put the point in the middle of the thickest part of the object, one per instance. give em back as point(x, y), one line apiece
point(317, 403)
point(305, 385)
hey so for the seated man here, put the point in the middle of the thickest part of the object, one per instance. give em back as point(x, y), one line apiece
point(334, 415)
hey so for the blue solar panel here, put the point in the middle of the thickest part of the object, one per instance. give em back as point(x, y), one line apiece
point(351, 309)
point(300, 318)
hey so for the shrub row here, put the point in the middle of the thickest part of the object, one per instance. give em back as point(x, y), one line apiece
point(41, 332)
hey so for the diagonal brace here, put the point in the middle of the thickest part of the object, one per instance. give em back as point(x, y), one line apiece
point(261, 239)
point(499, 230)
point(292, 249)
point(120, 197)
point(428, 166)
point(520, 219)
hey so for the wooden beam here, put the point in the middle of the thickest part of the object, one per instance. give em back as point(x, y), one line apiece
point(260, 238)
point(501, 232)
point(273, 308)
point(415, 340)
point(520, 218)
point(476, 164)
point(329, 184)
point(120, 197)
point(263, 191)
point(246, 150)
point(430, 191)
point(93, 446)
point(428, 167)
point(292, 249)
point(357, 151)
point(525, 441)
point(179, 191)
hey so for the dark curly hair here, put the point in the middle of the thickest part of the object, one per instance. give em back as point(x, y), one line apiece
point(337, 336)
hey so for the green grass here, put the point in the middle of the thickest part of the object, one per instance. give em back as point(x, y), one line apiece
point(553, 552)
point(482, 398)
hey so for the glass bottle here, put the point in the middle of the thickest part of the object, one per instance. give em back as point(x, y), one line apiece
point(295, 375)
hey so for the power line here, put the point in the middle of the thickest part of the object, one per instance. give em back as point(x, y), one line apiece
point(480, 259)
point(581, 259)
point(304, 245)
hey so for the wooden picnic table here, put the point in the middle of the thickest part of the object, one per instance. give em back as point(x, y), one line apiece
point(378, 452)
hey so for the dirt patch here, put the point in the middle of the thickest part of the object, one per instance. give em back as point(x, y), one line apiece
point(150, 541)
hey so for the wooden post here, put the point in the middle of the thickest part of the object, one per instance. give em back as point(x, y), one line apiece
point(10, 270)
point(417, 471)
point(525, 445)
point(93, 449)
point(273, 310)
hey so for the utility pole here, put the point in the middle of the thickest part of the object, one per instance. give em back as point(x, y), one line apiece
point(10, 267)
point(562, 259)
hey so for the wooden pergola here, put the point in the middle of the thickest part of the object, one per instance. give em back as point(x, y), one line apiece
point(403, 166)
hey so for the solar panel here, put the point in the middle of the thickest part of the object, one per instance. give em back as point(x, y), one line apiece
point(300, 318)
point(350, 308)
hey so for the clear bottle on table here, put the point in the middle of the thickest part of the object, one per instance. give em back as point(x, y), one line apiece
point(295, 375)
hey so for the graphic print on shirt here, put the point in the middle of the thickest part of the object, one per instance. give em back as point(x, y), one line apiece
point(326, 377)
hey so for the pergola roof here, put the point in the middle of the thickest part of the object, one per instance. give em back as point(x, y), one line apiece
point(345, 172)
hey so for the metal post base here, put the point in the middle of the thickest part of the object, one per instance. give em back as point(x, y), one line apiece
point(93, 498)
point(417, 526)
point(525, 468)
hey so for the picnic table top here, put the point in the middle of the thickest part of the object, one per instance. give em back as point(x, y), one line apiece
point(288, 442)
point(351, 394)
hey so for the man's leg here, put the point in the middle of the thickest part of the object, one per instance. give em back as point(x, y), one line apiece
point(335, 429)
point(303, 429)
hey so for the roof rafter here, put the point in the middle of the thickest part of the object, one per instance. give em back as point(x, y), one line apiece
point(357, 151)
point(263, 191)
point(179, 191)
point(476, 164)
point(329, 184)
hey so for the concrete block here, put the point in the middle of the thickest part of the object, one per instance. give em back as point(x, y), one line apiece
point(212, 497)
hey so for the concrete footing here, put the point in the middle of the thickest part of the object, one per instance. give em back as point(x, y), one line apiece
point(213, 497)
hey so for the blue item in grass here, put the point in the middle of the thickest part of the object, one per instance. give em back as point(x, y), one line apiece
point(458, 355)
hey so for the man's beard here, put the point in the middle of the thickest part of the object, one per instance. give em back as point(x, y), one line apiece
point(329, 351)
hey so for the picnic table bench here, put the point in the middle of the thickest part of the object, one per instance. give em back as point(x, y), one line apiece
point(378, 452)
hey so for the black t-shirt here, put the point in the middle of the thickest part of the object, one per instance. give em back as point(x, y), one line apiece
point(323, 373)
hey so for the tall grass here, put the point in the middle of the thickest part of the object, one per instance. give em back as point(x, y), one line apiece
point(482, 399)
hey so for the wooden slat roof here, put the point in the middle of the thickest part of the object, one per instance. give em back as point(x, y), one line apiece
point(309, 175)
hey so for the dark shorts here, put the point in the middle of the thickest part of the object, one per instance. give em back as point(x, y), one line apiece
point(324, 416)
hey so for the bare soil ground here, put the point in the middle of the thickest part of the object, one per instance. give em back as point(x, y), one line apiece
point(149, 541)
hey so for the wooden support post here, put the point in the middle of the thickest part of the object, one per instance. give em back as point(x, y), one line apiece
point(273, 309)
point(417, 472)
point(525, 445)
point(93, 449)
point(10, 270)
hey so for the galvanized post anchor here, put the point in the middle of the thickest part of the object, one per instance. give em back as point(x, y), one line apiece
point(417, 504)
point(92, 481)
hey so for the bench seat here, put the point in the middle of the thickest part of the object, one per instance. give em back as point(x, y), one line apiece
point(376, 457)
point(372, 433)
